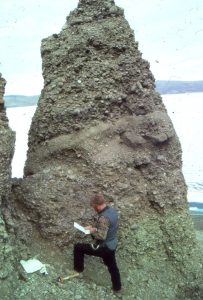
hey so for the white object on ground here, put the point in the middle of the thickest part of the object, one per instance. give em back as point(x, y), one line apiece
point(81, 228)
point(33, 265)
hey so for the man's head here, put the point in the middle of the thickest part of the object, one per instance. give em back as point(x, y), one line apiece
point(98, 202)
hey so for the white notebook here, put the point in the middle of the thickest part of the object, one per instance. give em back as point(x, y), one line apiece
point(81, 228)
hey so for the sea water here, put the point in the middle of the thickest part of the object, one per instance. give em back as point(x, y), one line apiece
point(20, 120)
point(185, 110)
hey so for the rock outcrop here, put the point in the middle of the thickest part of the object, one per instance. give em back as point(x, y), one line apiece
point(2, 90)
point(7, 140)
point(101, 126)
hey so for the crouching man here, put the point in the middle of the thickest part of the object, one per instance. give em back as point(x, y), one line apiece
point(104, 234)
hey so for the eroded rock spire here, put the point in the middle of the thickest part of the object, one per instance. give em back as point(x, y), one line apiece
point(101, 126)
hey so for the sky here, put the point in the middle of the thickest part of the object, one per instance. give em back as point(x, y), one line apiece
point(169, 32)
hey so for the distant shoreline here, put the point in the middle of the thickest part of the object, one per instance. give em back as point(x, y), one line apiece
point(178, 87)
point(197, 204)
point(164, 87)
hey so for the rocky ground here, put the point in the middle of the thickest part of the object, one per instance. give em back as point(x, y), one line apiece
point(144, 276)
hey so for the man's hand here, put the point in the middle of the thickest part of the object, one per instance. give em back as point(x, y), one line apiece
point(91, 229)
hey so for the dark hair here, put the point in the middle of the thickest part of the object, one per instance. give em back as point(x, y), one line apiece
point(97, 199)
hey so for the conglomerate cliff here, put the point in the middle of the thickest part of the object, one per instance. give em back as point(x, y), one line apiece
point(101, 126)
point(7, 140)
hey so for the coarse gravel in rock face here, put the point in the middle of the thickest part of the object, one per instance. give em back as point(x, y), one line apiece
point(100, 126)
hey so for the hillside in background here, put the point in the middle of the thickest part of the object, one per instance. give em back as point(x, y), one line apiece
point(162, 86)
point(178, 87)
point(20, 100)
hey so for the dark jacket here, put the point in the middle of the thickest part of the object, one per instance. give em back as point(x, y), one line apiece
point(111, 239)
